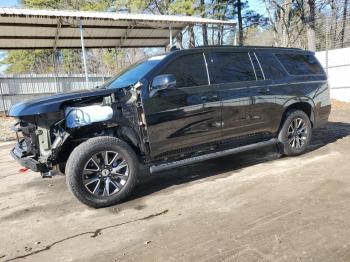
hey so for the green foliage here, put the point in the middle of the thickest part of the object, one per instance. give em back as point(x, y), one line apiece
point(49, 4)
point(101, 5)
point(25, 61)
point(19, 61)
point(71, 60)
point(185, 7)
point(134, 6)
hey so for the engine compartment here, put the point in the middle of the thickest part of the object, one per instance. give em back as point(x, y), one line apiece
point(50, 138)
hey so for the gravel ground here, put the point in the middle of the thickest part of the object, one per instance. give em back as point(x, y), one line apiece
point(254, 206)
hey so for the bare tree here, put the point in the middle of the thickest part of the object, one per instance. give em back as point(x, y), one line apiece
point(345, 14)
point(204, 26)
point(281, 18)
point(191, 36)
point(240, 22)
point(334, 22)
point(310, 25)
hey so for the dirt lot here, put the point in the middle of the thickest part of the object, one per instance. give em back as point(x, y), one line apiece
point(255, 206)
point(5, 128)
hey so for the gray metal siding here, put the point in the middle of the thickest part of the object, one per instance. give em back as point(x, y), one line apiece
point(18, 88)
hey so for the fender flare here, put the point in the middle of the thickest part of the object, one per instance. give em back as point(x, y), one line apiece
point(301, 99)
point(131, 135)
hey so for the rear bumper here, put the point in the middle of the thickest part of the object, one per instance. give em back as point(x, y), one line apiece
point(19, 154)
point(322, 115)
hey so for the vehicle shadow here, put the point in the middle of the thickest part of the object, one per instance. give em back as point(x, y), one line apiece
point(332, 132)
point(217, 168)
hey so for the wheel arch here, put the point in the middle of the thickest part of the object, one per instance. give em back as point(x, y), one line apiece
point(304, 104)
point(130, 136)
point(124, 133)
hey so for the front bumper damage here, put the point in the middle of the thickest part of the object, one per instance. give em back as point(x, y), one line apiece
point(19, 153)
point(34, 149)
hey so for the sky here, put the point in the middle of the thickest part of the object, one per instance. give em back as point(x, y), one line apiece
point(256, 5)
point(9, 3)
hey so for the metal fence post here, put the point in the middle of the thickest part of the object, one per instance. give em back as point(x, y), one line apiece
point(2, 98)
point(327, 45)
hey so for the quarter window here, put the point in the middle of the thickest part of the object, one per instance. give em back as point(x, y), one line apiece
point(230, 67)
point(297, 64)
point(189, 70)
point(272, 68)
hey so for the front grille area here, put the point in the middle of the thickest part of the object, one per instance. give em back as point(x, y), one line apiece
point(30, 138)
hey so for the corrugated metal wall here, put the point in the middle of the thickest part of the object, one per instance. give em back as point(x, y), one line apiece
point(18, 88)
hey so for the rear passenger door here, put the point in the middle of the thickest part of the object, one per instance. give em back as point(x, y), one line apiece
point(266, 100)
point(233, 74)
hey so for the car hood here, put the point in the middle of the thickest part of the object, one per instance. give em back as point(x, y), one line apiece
point(53, 103)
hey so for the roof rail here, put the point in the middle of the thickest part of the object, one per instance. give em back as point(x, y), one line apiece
point(248, 46)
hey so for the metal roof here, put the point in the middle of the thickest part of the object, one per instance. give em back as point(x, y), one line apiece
point(30, 29)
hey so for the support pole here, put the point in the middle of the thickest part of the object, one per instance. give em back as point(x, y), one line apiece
point(84, 57)
point(170, 37)
point(235, 38)
point(55, 70)
point(57, 37)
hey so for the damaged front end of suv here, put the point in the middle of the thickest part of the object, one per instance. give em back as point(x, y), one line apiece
point(48, 129)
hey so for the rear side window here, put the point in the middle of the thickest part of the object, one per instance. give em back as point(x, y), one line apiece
point(189, 70)
point(272, 68)
point(230, 67)
point(297, 64)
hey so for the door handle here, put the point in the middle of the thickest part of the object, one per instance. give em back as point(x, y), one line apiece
point(264, 91)
point(214, 98)
point(204, 98)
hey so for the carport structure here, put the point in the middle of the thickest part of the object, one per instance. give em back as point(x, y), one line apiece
point(56, 29)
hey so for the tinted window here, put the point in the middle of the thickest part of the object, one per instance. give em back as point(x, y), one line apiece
point(230, 67)
point(300, 64)
point(189, 70)
point(272, 68)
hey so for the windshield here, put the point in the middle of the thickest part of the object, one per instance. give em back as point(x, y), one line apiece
point(134, 73)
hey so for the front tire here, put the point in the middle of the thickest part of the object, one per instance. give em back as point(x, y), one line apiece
point(102, 171)
point(295, 134)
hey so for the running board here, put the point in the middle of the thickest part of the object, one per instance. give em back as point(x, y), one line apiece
point(196, 159)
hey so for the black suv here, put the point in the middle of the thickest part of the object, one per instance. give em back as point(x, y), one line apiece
point(179, 108)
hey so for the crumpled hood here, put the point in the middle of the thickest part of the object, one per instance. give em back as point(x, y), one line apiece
point(53, 103)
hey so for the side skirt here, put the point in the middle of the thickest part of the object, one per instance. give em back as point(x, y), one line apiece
point(192, 160)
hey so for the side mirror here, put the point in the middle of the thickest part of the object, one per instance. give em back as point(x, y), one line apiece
point(162, 82)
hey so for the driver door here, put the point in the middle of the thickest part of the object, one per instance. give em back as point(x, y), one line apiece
point(186, 115)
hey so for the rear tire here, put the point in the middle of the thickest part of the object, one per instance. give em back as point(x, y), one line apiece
point(102, 171)
point(295, 134)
